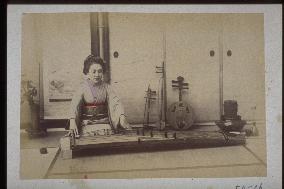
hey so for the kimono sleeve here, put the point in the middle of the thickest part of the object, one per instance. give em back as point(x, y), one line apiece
point(116, 109)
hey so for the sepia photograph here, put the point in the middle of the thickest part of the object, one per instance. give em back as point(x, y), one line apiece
point(142, 95)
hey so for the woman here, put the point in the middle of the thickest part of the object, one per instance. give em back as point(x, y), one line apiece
point(95, 101)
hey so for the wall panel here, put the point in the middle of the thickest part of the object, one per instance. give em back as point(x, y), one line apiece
point(244, 76)
point(138, 40)
point(190, 38)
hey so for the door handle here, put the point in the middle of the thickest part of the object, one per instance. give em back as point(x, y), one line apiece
point(212, 53)
point(229, 53)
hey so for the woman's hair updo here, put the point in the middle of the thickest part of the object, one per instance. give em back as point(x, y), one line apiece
point(90, 60)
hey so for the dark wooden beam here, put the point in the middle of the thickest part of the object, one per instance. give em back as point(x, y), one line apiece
point(95, 42)
point(100, 24)
point(106, 45)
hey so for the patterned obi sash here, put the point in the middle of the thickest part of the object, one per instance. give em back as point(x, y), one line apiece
point(95, 111)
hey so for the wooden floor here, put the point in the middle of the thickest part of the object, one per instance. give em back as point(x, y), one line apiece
point(237, 161)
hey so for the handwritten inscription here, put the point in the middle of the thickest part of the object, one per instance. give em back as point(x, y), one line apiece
point(253, 186)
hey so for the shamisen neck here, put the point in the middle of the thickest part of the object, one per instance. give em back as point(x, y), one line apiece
point(180, 95)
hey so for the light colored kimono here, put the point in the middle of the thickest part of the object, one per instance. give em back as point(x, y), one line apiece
point(103, 93)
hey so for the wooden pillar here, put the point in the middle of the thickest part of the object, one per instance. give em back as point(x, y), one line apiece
point(106, 52)
point(100, 39)
point(95, 47)
point(220, 41)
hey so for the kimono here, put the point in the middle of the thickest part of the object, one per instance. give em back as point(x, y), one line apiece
point(98, 102)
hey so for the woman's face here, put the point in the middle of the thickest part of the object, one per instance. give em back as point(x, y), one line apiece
point(95, 73)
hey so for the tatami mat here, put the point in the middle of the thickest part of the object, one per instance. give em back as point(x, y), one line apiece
point(172, 160)
point(51, 140)
point(233, 161)
point(208, 172)
point(35, 165)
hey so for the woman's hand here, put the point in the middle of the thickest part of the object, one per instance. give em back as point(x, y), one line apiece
point(73, 128)
point(123, 123)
